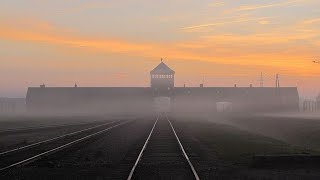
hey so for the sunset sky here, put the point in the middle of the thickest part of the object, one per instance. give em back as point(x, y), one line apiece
point(117, 43)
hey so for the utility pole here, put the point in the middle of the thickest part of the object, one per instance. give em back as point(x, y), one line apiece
point(261, 80)
point(277, 81)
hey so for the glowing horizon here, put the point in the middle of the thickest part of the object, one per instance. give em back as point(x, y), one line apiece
point(113, 43)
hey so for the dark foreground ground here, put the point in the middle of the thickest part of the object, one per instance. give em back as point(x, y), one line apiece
point(20, 131)
point(224, 151)
point(218, 147)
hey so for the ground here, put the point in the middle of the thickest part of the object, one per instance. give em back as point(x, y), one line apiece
point(218, 145)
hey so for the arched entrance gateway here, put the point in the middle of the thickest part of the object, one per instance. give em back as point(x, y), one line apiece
point(162, 85)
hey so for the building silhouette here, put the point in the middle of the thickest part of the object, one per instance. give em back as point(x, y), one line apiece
point(162, 77)
point(10, 106)
point(162, 80)
point(141, 99)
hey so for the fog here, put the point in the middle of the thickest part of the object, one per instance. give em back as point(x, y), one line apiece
point(232, 134)
point(267, 121)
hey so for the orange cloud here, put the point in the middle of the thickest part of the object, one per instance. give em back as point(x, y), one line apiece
point(264, 22)
point(262, 38)
point(239, 20)
point(263, 6)
point(236, 50)
point(312, 21)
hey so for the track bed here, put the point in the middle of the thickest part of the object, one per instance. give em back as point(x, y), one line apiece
point(163, 157)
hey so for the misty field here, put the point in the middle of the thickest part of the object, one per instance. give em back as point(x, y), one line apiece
point(299, 131)
point(231, 145)
point(230, 140)
point(222, 149)
point(218, 145)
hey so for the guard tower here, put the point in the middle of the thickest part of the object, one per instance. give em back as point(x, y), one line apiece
point(162, 78)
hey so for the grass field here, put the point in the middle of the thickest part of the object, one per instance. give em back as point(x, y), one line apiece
point(298, 131)
point(230, 148)
point(230, 144)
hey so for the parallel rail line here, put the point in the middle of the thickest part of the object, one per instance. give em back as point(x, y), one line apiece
point(142, 150)
point(184, 152)
point(7, 130)
point(195, 174)
point(53, 139)
point(59, 148)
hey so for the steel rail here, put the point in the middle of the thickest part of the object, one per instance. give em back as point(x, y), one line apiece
point(59, 148)
point(53, 139)
point(184, 152)
point(8, 130)
point(142, 150)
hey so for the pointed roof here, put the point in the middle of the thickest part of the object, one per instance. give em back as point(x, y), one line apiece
point(162, 68)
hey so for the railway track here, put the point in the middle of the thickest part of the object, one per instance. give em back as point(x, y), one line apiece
point(53, 139)
point(30, 153)
point(157, 154)
point(37, 127)
point(162, 155)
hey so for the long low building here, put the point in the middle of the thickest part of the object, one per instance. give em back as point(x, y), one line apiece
point(87, 99)
point(143, 99)
point(242, 99)
point(12, 106)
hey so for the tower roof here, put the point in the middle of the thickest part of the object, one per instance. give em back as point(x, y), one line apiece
point(162, 68)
